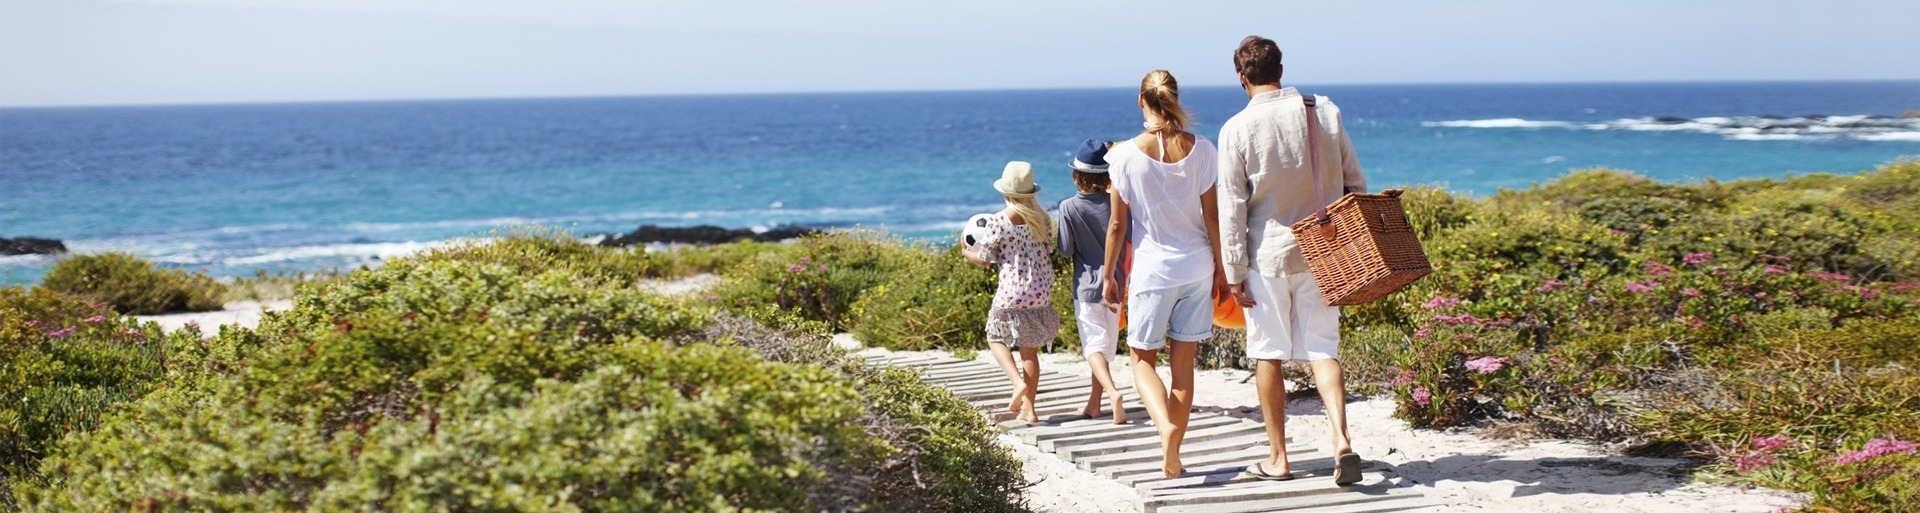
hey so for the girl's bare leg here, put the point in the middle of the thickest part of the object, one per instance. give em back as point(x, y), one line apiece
point(1031, 383)
point(1004, 355)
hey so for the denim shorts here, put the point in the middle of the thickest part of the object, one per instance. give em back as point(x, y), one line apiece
point(1183, 313)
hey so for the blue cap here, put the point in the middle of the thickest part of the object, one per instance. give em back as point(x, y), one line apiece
point(1091, 157)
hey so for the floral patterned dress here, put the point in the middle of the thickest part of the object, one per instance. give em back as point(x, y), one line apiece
point(1022, 314)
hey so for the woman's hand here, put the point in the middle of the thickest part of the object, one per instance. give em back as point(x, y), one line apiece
point(1110, 294)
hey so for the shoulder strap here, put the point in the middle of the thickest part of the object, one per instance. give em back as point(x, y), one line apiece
point(1313, 153)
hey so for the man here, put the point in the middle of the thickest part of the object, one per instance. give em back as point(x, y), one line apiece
point(1266, 184)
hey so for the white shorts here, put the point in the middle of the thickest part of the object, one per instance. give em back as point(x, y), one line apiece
point(1290, 319)
point(1183, 313)
point(1099, 329)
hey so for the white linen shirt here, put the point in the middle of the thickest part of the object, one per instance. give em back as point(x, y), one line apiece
point(1266, 180)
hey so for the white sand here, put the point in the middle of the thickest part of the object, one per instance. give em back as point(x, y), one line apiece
point(245, 314)
point(1463, 470)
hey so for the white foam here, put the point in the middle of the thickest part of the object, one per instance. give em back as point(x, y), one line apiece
point(382, 250)
point(23, 259)
point(1890, 136)
point(1498, 123)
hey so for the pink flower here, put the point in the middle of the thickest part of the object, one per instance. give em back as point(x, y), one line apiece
point(1776, 269)
point(1831, 277)
point(804, 260)
point(1876, 448)
point(1486, 364)
point(1656, 268)
point(97, 319)
point(1697, 323)
point(1439, 302)
point(1697, 258)
point(1690, 293)
point(33, 322)
point(1551, 286)
point(1865, 292)
point(1456, 320)
point(1405, 378)
point(1640, 287)
point(1775, 258)
point(1422, 333)
point(821, 267)
point(1754, 461)
point(62, 332)
point(796, 268)
point(1771, 443)
point(1422, 397)
point(1906, 286)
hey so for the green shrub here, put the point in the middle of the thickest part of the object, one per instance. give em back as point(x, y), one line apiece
point(63, 365)
point(819, 277)
point(521, 375)
point(132, 285)
point(938, 300)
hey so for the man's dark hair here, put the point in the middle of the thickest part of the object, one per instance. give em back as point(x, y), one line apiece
point(1258, 59)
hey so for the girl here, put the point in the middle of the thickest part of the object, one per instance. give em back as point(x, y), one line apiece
point(1163, 192)
point(1019, 239)
point(1083, 239)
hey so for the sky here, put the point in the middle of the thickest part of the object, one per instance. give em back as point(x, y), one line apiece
point(114, 52)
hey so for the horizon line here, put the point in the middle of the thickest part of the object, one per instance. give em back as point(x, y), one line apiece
point(325, 101)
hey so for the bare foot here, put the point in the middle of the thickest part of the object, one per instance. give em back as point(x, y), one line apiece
point(1090, 412)
point(1172, 468)
point(1019, 398)
point(1119, 411)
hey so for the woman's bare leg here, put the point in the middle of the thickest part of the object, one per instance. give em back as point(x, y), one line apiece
point(1153, 394)
point(1180, 362)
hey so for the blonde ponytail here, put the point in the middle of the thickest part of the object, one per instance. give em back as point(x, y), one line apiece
point(1161, 93)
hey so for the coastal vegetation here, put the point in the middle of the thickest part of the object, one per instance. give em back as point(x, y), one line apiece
point(525, 373)
point(1763, 327)
point(129, 285)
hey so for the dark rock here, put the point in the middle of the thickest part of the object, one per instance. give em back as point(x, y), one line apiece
point(1671, 120)
point(31, 246)
point(704, 234)
point(1912, 114)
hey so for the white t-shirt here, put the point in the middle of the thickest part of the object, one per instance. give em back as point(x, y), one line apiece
point(1168, 232)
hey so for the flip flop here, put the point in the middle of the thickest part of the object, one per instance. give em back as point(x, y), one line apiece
point(1259, 471)
point(1347, 471)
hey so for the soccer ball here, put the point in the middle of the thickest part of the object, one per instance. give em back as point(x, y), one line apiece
point(974, 234)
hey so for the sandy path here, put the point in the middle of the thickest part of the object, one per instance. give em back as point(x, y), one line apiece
point(1463, 470)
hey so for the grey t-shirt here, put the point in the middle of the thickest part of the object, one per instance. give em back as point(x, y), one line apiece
point(1083, 238)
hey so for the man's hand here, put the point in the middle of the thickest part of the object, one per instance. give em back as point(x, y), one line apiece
point(1240, 295)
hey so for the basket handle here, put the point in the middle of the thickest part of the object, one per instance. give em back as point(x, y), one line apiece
point(1327, 228)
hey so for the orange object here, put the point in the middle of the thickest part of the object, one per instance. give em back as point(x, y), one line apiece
point(1227, 312)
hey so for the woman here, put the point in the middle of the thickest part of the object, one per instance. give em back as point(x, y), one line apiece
point(1163, 205)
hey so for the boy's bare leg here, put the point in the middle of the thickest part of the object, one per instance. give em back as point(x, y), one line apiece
point(1103, 379)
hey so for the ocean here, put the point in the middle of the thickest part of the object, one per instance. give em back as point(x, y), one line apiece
point(231, 189)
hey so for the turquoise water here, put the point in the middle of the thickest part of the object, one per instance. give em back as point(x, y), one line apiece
point(234, 188)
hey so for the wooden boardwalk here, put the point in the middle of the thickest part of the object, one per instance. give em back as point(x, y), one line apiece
point(1217, 449)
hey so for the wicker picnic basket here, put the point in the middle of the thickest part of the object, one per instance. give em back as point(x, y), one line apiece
point(1361, 246)
point(1366, 251)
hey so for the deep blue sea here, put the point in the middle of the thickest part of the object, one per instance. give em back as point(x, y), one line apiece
point(233, 188)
